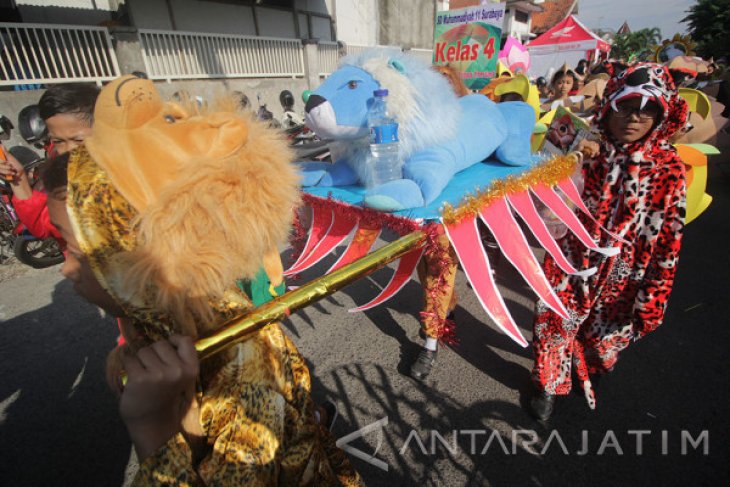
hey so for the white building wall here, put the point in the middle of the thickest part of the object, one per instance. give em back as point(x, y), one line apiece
point(357, 21)
point(518, 30)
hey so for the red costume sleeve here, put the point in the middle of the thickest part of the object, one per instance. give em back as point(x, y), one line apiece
point(33, 213)
point(653, 295)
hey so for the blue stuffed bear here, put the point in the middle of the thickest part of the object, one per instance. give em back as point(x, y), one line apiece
point(439, 133)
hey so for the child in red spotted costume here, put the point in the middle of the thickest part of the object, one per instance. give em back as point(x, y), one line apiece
point(635, 188)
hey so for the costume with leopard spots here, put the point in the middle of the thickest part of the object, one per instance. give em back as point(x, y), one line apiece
point(636, 191)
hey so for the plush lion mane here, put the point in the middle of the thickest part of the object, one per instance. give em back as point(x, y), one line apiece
point(454, 77)
point(423, 101)
point(213, 225)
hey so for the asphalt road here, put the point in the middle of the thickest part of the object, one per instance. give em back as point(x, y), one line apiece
point(463, 426)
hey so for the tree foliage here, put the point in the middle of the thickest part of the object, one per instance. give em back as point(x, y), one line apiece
point(709, 26)
point(634, 44)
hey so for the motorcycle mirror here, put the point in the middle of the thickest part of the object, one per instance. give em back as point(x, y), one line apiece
point(6, 126)
point(28, 158)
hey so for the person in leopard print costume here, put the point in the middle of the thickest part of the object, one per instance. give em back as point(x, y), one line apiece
point(173, 215)
point(635, 188)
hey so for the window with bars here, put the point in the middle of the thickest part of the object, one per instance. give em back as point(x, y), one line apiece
point(521, 16)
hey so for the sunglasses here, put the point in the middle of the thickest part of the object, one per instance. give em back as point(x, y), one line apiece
point(649, 112)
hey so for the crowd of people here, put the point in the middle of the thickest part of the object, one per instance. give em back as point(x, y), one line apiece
point(247, 416)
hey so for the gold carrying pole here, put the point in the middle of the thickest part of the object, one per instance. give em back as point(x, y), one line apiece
point(238, 329)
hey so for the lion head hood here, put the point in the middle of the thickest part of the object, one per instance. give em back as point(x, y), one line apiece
point(175, 204)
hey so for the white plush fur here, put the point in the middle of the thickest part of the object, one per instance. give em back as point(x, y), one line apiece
point(426, 107)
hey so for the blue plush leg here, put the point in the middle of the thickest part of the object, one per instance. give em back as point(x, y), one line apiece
point(520, 120)
point(394, 195)
point(432, 169)
point(480, 131)
point(484, 127)
point(325, 174)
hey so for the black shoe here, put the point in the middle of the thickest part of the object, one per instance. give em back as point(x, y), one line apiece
point(423, 365)
point(541, 405)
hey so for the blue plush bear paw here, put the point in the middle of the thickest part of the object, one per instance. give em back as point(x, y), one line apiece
point(394, 195)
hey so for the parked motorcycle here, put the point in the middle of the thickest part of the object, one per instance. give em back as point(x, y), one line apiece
point(15, 239)
point(293, 123)
point(290, 119)
point(265, 115)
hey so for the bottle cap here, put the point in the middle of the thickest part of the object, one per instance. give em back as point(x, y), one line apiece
point(380, 92)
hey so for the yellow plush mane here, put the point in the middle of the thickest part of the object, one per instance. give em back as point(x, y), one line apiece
point(214, 190)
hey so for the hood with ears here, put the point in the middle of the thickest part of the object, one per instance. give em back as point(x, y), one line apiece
point(649, 82)
point(172, 205)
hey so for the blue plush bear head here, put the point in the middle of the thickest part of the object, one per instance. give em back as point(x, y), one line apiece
point(420, 99)
point(338, 108)
point(439, 134)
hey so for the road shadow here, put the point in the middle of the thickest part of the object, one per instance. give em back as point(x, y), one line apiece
point(483, 346)
point(670, 384)
point(432, 438)
point(58, 421)
point(367, 392)
point(479, 341)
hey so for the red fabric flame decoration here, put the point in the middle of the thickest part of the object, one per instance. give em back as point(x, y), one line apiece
point(567, 186)
point(322, 219)
point(368, 221)
point(556, 204)
point(524, 206)
point(298, 237)
point(464, 237)
point(513, 243)
point(360, 245)
point(338, 231)
point(368, 217)
point(402, 275)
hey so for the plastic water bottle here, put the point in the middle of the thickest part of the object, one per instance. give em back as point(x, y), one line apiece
point(384, 162)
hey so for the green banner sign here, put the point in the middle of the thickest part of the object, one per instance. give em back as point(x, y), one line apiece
point(469, 39)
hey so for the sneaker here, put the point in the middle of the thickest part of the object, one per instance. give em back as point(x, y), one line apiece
point(541, 405)
point(423, 365)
